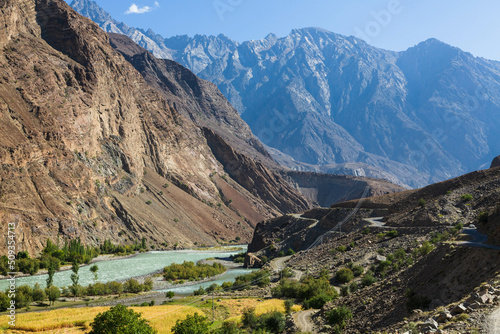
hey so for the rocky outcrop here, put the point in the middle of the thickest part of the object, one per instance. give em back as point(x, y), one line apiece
point(255, 177)
point(496, 162)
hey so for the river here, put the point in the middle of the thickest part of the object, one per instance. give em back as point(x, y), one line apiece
point(142, 264)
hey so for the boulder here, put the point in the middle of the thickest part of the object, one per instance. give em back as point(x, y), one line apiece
point(444, 316)
point(459, 309)
point(380, 258)
point(428, 326)
point(496, 162)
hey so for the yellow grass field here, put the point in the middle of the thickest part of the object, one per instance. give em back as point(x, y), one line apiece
point(162, 318)
point(77, 320)
point(236, 306)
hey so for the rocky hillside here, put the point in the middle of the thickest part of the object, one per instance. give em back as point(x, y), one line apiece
point(89, 149)
point(421, 269)
point(423, 115)
point(325, 189)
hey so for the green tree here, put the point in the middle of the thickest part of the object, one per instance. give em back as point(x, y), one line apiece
point(53, 293)
point(4, 302)
point(195, 324)
point(170, 294)
point(75, 278)
point(51, 271)
point(344, 275)
point(38, 294)
point(229, 327)
point(121, 320)
point(94, 270)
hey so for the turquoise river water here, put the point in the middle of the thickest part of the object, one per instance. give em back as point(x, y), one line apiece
point(142, 264)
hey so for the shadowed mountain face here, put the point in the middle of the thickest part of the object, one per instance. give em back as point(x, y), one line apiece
point(422, 115)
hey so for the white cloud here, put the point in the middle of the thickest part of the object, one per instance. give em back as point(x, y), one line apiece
point(134, 9)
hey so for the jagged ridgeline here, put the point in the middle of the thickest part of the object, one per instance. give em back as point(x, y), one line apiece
point(88, 149)
point(341, 106)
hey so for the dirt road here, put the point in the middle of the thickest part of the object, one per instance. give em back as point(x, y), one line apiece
point(303, 320)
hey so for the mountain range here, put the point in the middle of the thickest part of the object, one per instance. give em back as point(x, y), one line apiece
point(329, 103)
point(100, 140)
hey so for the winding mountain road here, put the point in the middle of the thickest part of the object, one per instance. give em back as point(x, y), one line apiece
point(303, 320)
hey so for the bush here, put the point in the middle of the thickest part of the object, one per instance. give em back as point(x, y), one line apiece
point(290, 252)
point(344, 275)
point(421, 202)
point(132, 286)
point(121, 320)
point(353, 287)
point(286, 273)
point(392, 234)
point(190, 271)
point(466, 197)
point(310, 291)
point(483, 217)
point(318, 301)
point(259, 278)
point(4, 302)
point(38, 294)
point(425, 249)
point(368, 279)
point(337, 317)
point(273, 322)
point(357, 271)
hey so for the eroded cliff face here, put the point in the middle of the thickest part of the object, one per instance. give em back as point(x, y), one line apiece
point(88, 149)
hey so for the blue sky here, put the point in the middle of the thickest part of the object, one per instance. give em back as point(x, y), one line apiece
point(391, 24)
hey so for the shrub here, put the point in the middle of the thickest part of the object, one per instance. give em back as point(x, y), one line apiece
point(132, 286)
point(368, 279)
point(337, 317)
point(318, 301)
point(392, 234)
point(169, 294)
point(421, 202)
point(290, 252)
point(466, 197)
point(344, 275)
point(193, 324)
point(190, 271)
point(121, 320)
point(259, 278)
point(341, 249)
point(357, 271)
point(353, 287)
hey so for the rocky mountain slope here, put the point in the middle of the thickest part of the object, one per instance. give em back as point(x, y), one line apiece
point(203, 103)
point(423, 115)
point(196, 99)
point(89, 149)
point(425, 272)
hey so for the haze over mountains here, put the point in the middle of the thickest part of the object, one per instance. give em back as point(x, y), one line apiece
point(322, 99)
